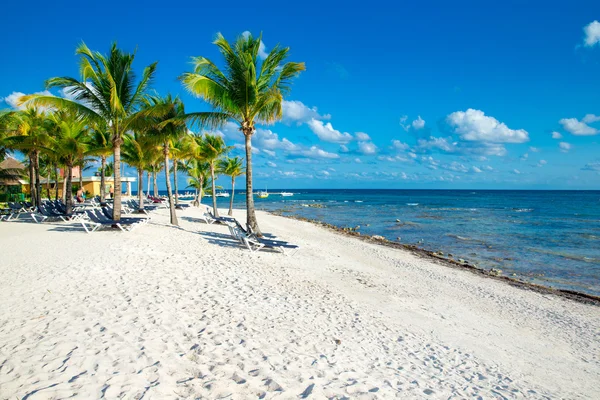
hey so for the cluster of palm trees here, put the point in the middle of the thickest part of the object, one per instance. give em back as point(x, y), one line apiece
point(108, 111)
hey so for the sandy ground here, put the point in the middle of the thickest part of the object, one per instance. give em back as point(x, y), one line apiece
point(164, 312)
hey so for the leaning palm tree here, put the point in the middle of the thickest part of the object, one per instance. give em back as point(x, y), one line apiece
point(199, 174)
point(107, 93)
point(213, 148)
point(233, 167)
point(246, 91)
point(162, 126)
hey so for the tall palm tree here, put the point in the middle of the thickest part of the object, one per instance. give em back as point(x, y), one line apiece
point(233, 167)
point(164, 126)
point(180, 150)
point(107, 92)
point(246, 91)
point(71, 144)
point(101, 146)
point(213, 148)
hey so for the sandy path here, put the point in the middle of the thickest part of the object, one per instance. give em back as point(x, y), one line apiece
point(185, 313)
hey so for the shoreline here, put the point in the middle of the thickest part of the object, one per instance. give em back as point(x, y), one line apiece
point(429, 255)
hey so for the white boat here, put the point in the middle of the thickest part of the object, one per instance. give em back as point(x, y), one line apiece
point(222, 194)
point(287, 194)
point(264, 194)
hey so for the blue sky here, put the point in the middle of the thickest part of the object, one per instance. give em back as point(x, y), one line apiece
point(434, 95)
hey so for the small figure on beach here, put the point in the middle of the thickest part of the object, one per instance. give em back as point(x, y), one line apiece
point(111, 191)
point(79, 195)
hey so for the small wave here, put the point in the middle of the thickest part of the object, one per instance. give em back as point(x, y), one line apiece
point(458, 237)
point(345, 201)
point(358, 201)
point(412, 204)
point(522, 209)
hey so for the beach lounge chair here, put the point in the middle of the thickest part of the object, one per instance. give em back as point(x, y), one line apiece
point(47, 213)
point(108, 214)
point(97, 221)
point(254, 243)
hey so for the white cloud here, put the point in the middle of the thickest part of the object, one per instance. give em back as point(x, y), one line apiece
point(468, 148)
point(591, 118)
point(541, 163)
point(357, 160)
point(593, 166)
point(524, 157)
point(556, 135)
point(418, 123)
point(344, 148)
point(269, 152)
point(296, 111)
point(324, 173)
point(363, 137)
point(516, 172)
point(262, 53)
point(474, 125)
point(240, 146)
point(267, 139)
point(315, 152)
point(534, 149)
point(565, 147)
point(327, 133)
point(398, 145)
point(476, 170)
point(13, 99)
point(271, 164)
point(592, 33)
point(367, 148)
point(577, 127)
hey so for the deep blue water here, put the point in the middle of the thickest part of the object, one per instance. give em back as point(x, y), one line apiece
point(549, 237)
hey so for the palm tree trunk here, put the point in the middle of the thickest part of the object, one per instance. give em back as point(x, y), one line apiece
point(214, 193)
point(48, 183)
point(250, 214)
point(64, 187)
point(69, 190)
point(117, 186)
point(148, 176)
point(196, 202)
point(56, 175)
point(169, 193)
point(81, 177)
point(201, 190)
point(102, 180)
point(175, 183)
point(31, 180)
point(154, 184)
point(140, 190)
point(232, 191)
point(38, 185)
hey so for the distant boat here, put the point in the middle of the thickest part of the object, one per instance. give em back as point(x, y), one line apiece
point(263, 195)
point(222, 194)
point(287, 194)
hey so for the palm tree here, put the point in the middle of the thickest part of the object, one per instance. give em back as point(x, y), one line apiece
point(246, 91)
point(163, 127)
point(232, 167)
point(30, 133)
point(213, 148)
point(70, 145)
point(101, 146)
point(199, 176)
point(180, 150)
point(136, 155)
point(107, 93)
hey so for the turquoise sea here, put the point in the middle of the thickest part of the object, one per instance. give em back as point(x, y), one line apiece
point(548, 237)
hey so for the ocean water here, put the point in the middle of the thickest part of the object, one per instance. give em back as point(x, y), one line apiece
point(547, 237)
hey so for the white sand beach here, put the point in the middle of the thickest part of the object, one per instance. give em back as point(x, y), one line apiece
point(165, 313)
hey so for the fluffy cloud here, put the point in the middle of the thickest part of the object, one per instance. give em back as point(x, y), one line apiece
point(592, 33)
point(296, 111)
point(564, 147)
point(446, 145)
point(516, 172)
point(476, 170)
point(13, 99)
point(556, 135)
point(398, 145)
point(541, 163)
point(474, 125)
point(327, 133)
point(367, 148)
point(591, 118)
point(594, 166)
point(363, 137)
point(271, 164)
point(315, 152)
point(418, 123)
point(534, 149)
point(576, 127)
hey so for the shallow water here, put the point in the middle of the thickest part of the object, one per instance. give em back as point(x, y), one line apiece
point(548, 237)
